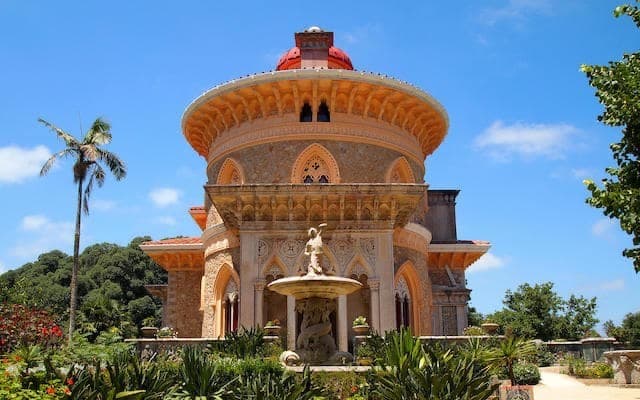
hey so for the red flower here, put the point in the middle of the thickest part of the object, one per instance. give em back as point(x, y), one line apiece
point(67, 391)
point(70, 381)
point(51, 390)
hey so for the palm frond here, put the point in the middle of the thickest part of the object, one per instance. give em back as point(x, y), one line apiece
point(99, 134)
point(89, 152)
point(97, 175)
point(115, 164)
point(68, 138)
point(52, 160)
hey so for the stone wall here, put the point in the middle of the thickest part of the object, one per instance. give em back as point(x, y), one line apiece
point(183, 299)
point(273, 162)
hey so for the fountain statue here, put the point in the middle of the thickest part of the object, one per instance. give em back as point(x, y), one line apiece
point(315, 292)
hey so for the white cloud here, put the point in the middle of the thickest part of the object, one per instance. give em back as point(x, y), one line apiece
point(603, 227)
point(163, 197)
point(17, 164)
point(581, 173)
point(514, 11)
point(502, 142)
point(43, 235)
point(610, 286)
point(165, 220)
point(102, 205)
point(361, 34)
point(487, 262)
point(3, 268)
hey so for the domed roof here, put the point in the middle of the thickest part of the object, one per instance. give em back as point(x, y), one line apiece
point(338, 59)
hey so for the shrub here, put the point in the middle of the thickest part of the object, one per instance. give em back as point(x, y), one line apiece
point(339, 385)
point(526, 374)
point(20, 325)
point(580, 369)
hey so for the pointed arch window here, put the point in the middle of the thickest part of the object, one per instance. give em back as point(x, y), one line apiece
point(306, 114)
point(323, 113)
point(231, 307)
point(403, 304)
point(315, 165)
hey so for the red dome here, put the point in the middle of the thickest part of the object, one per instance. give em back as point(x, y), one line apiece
point(338, 59)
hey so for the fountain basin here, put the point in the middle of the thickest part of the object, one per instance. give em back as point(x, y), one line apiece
point(322, 286)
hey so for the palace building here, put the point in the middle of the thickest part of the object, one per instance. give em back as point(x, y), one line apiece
point(317, 141)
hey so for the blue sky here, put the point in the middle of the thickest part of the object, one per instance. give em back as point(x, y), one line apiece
point(523, 132)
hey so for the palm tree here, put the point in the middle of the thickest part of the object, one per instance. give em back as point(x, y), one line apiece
point(511, 350)
point(87, 169)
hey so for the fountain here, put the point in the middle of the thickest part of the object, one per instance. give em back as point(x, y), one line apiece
point(314, 293)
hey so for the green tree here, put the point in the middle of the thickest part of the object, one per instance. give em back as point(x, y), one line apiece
point(628, 331)
point(618, 90)
point(88, 156)
point(539, 312)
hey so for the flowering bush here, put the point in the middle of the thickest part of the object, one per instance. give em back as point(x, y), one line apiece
point(167, 332)
point(20, 325)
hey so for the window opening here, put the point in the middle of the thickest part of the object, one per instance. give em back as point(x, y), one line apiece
point(323, 113)
point(306, 115)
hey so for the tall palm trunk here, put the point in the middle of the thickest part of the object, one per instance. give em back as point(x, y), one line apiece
point(76, 265)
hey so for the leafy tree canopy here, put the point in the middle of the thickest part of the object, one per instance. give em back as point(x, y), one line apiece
point(628, 332)
point(618, 90)
point(111, 284)
point(539, 312)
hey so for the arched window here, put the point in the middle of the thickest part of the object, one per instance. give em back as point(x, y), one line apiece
point(306, 115)
point(400, 172)
point(403, 304)
point(315, 165)
point(231, 308)
point(323, 113)
point(230, 173)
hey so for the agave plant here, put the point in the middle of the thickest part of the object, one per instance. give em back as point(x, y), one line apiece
point(245, 343)
point(200, 377)
point(265, 386)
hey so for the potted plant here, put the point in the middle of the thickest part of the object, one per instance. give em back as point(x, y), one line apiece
point(149, 328)
point(360, 325)
point(510, 350)
point(272, 327)
point(167, 333)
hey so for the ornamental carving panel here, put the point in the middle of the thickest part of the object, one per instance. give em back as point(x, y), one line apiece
point(368, 249)
point(262, 250)
point(343, 250)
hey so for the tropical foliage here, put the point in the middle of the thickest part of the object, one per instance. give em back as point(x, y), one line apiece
point(89, 156)
point(111, 291)
point(628, 332)
point(618, 90)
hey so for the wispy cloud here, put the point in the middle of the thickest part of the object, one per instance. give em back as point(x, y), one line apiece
point(43, 235)
point(360, 34)
point(102, 205)
point(163, 197)
point(18, 164)
point(581, 173)
point(3, 268)
point(165, 220)
point(603, 228)
point(514, 11)
point(487, 262)
point(503, 142)
point(610, 286)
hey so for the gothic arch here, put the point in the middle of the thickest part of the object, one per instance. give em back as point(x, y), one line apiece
point(358, 260)
point(407, 273)
point(227, 276)
point(271, 264)
point(400, 172)
point(317, 163)
point(231, 173)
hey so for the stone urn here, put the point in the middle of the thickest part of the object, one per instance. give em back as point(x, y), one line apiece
point(149, 332)
point(626, 366)
point(361, 330)
point(490, 328)
point(272, 330)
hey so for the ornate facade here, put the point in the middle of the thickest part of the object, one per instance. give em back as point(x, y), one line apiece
point(317, 141)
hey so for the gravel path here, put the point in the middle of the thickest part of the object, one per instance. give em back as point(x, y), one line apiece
point(555, 386)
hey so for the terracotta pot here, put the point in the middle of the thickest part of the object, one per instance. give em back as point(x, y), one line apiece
point(361, 330)
point(519, 392)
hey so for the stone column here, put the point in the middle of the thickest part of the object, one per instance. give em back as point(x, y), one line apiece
point(291, 323)
point(259, 301)
point(374, 292)
point(341, 320)
point(248, 275)
point(386, 272)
